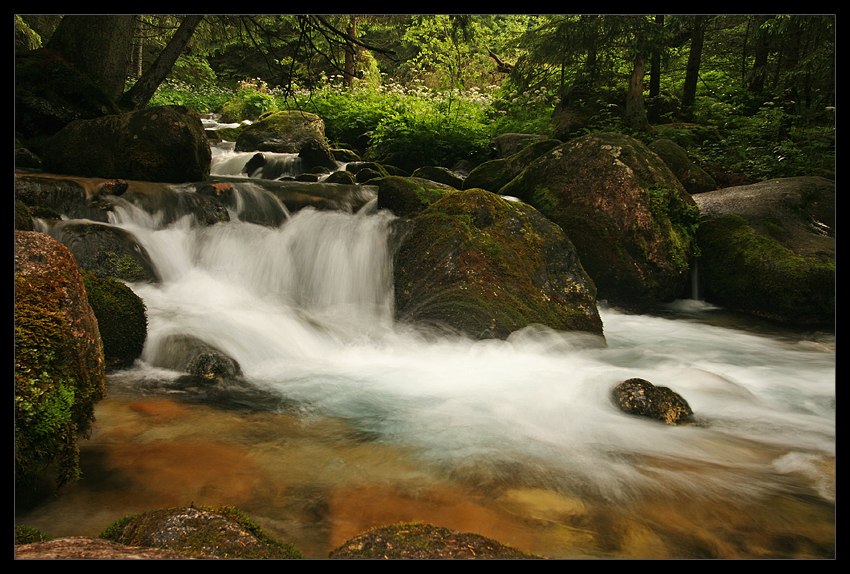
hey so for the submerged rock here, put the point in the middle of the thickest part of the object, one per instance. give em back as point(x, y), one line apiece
point(642, 398)
point(478, 264)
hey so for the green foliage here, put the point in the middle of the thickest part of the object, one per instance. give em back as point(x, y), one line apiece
point(529, 111)
point(28, 535)
point(253, 99)
point(204, 99)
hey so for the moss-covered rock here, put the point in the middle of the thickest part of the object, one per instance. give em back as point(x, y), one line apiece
point(628, 216)
point(162, 143)
point(478, 264)
point(59, 364)
point(693, 177)
point(419, 541)
point(282, 132)
point(494, 174)
point(769, 248)
point(105, 250)
point(406, 196)
point(223, 532)
point(745, 271)
point(121, 319)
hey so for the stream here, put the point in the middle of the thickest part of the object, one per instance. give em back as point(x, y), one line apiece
point(353, 421)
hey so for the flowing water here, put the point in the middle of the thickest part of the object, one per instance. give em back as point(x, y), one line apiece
point(355, 421)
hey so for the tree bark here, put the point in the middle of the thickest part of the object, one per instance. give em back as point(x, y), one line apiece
point(350, 70)
point(140, 94)
point(635, 109)
point(98, 46)
point(689, 91)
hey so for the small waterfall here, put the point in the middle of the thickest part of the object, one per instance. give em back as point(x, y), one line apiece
point(695, 279)
point(257, 165)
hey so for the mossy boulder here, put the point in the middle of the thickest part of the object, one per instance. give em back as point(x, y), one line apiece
point(769, 249)
point(477, 264)
point(439, 174)
point(203, 532)
point(494, 174)
point(59, 362)
point(405, 196)
point(420, 541)
point(693, 177)
point(630, 219)
point(162, 143)
point(281, 132)
point(105, 250)
point(121, 319)
point(745, 271)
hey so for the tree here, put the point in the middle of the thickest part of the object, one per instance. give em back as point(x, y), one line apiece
point(689, 89)
point(98, 46)
point(143, 90)
point(101, 47)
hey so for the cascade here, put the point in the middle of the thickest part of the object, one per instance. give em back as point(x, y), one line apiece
point(304, 305)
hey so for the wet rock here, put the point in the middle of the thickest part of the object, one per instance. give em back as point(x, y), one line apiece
point(59, 363)
point(768, 249)
point(201, 532)
point(417, 541)
point(475, 263)
point(641, 398)
point(81, 548)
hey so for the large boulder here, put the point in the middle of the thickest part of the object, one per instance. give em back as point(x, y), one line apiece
point(59, 362)
point(693, 177)
point(769, 249)
point(290, 131)
point(202, 532)
point(630, 219)
point(494, 174)
point(483, 266)
point(162, 144)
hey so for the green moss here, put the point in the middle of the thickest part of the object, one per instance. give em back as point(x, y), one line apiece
point(750, 272)
point(203, 536)
point(55, 389)
point(28, 535)
point(121, 318)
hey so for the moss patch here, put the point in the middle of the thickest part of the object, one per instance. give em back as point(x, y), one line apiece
point(749, 272)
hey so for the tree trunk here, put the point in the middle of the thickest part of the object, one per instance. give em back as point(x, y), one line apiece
point(350, 70)
point(140, 94)
point(689, 91)
point(98, 46)
point(635, 110)
point(758, 75)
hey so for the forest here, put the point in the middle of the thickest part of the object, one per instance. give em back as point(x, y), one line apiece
point(763, 86)
point(478, 301)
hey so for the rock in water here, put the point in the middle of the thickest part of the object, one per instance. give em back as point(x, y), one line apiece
point(475, 263)
point(642, 398)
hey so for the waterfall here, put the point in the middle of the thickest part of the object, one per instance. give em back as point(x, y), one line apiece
point(306, 309)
